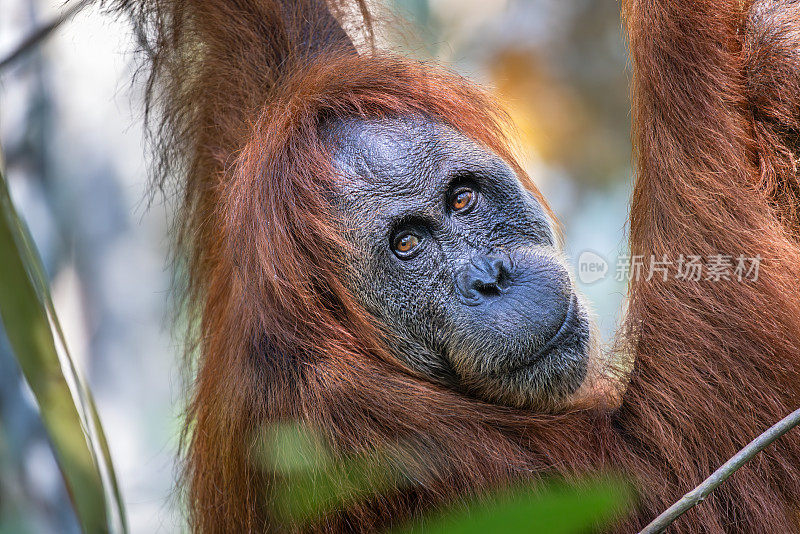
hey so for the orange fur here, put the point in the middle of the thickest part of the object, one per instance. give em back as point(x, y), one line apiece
point(243, 95)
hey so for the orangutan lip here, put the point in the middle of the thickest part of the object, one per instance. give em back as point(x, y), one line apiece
point(563, 331)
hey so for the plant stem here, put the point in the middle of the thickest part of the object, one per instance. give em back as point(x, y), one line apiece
point(719, 476)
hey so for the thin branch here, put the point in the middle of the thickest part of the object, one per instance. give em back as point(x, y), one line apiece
point(41, 33)
point(697, 495)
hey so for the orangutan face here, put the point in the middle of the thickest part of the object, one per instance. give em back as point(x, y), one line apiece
point(459, 261)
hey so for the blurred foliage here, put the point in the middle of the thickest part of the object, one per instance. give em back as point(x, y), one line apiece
point(558, 508)
point(66, 407)
point(311, 482)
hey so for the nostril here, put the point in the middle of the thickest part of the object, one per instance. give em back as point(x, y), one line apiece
point(501, 270)
point(486, 276)
point(488, 289)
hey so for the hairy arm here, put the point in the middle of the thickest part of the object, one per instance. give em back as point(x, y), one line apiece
point(717, 362)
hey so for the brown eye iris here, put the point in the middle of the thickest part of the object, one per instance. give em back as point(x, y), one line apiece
point(462, 200)
point(405, 245)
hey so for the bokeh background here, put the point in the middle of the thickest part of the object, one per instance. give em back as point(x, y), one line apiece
point(72, 136)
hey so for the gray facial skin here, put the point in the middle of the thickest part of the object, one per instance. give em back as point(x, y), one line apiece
point(483, 303)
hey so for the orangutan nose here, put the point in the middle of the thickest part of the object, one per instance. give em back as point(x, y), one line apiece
point(484, 278)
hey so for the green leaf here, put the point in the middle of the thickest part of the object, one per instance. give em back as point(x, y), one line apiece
point(311, 483)
point(557, 508)
point(66, 406)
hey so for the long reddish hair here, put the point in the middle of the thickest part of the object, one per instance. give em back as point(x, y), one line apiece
point(245, 91)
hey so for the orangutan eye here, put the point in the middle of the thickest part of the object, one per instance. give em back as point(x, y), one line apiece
point(463, 200)
point(406, 245)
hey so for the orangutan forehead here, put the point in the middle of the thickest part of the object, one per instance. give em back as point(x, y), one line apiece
point(416, 156)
